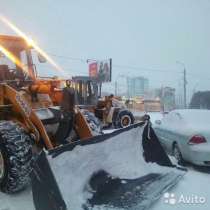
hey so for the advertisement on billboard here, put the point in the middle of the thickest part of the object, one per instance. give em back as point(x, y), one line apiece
point(101, 70)
point(93, 69)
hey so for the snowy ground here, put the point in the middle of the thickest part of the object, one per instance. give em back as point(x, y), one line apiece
point(195, 183)
point(20, 201)
point(192, 192)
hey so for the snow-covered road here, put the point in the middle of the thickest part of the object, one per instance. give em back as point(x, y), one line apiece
point(19, 201)
point(192, 192)
point(195, 183)
point(193, 188)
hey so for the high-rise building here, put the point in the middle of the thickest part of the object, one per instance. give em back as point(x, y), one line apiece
point(168, 98)
point(137, 86)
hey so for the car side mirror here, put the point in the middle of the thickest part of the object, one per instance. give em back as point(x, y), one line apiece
point(158, 122)
point(41, 58)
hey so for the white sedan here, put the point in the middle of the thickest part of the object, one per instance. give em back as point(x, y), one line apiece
point(186, 135)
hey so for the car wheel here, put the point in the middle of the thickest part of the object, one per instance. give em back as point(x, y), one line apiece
point(178, 155)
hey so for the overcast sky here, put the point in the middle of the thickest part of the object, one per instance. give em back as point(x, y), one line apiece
point(148, 34)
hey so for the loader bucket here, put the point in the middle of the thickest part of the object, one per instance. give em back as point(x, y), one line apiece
point(126, 169)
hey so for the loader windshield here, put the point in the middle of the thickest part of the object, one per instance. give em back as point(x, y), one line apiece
point(86, 91)
point(6, 61)
point(14, 70)
point(15, 59)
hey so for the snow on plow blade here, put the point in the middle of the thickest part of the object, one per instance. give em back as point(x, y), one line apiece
point(126, 169)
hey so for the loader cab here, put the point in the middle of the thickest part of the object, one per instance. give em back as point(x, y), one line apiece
point(16, 60)
point(86, 90)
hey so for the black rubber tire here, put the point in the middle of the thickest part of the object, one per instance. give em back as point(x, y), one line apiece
point(121, 114)
point(16, 149)
point(178, 155)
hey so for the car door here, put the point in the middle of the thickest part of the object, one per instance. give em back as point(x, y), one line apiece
point(167, 130)
point(161, 129)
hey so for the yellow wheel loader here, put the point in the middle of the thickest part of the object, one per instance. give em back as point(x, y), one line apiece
point(111, 112)
point(125, 169)
point(36, 113)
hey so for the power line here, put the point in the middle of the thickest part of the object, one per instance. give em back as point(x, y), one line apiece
point(137, 68)
point(143, 68)
point(68, 58)
point(83, 60)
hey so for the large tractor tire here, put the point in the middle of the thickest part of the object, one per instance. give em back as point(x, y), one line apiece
point(15, 157)
point(124, 119)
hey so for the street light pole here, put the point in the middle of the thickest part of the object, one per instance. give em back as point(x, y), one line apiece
point(115, 87)
point(185, 83)
point(185, 89)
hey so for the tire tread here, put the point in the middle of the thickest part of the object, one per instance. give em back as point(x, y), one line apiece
point(16, 145)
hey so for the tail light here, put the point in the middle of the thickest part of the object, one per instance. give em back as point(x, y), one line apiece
point(197, 140)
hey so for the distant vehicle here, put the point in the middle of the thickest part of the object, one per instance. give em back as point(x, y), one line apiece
point(109, 110)
point(186, 135)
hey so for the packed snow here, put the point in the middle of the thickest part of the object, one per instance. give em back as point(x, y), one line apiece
point(19, 201)
point(192, 192)
point(198, 116)
point(121, 157)
point(194, 183)
point(188, 123)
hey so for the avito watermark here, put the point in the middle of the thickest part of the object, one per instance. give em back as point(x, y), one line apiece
point(172, 199)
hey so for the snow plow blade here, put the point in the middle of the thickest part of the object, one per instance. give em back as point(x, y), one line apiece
point(126, 169)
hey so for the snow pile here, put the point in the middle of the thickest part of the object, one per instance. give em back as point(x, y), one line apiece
point(187, 122)
point(194, 184)
point(195, 115)
point(121, 156)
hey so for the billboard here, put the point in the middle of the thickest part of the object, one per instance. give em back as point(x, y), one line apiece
point(93, 69)
point(101, 70)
